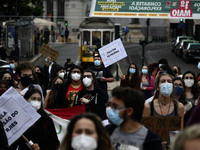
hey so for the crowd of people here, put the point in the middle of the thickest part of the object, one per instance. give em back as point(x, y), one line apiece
point(110, 122)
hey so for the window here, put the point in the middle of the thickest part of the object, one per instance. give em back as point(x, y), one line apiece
point(96, 38)
point(106, 37)
point(86, 37)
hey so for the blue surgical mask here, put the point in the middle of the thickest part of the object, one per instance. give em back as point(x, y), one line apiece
point(113, 116)
point(132, 70)
point(144, 71)
point(166, 89)
point(178, 91)
point(97, 62)
point(198, 65)
point(12, 66)
point(46, 60)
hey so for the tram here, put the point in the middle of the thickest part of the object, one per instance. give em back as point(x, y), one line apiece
point(94, 33)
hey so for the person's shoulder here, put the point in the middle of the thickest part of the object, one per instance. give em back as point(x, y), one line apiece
point(152, 136)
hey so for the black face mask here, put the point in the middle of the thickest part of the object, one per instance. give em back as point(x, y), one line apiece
point(57, 86)
point(10, 82)
point(175, 71)
point(26, 81)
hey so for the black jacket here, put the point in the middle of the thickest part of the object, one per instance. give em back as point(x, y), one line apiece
point(42, 132)
point(3, 138)
point(98, 100)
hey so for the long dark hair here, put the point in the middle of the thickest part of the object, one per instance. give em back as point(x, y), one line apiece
point(104, 142)
point(135, 80)
point(194, 87)
point(182, 98)
point(69, 79)
point(53, 92)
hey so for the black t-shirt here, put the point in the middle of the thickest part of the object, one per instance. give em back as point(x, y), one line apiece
point(102, 72)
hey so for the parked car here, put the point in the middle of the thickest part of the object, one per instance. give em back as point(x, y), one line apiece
point(178, 40)
point(192, 52)
point(183, 45)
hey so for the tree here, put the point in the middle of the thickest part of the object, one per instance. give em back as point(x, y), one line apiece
point(21, 8)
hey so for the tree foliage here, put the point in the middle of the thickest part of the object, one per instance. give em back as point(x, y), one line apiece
point(22, 7)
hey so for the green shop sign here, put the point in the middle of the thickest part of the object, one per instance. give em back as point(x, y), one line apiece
point(187, 9)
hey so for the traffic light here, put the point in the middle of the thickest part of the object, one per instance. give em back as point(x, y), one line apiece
point(66, 23)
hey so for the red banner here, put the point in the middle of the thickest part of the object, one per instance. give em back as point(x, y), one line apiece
point(67, 113)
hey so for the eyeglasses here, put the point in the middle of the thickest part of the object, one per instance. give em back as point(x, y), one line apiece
point(88, 76)
point(115, 106)
point(189, 78)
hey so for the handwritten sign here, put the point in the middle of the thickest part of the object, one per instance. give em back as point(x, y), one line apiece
point(112, 52)
point(16, 114)
point(48, 51)
point(162, 125)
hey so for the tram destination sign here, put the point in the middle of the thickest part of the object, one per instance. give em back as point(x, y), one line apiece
point(186, 9)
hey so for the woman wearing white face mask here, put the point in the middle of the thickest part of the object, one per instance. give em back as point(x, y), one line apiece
point(42, 133)
point(86, 132)
point(191, 86)
point(67, 92)
point(93, 97)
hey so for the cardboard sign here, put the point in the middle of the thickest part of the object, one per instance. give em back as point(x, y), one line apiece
point(16, 114)
point(48, 51)
point(112, 52)
point(162, 125)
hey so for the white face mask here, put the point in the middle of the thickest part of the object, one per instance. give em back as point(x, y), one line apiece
point(62, 74)
point(84, 142)
point(87, 81)
point(76, 76)
point(189, 82)
point(35, 104)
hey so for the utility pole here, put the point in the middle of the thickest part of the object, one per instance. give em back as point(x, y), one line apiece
point(16, 30)
point(143, 43)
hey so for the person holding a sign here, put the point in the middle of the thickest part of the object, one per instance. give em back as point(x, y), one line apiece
point(103, 75)
point(132, 78)
point(125, 110)
point(42, 133)
point(163, 104)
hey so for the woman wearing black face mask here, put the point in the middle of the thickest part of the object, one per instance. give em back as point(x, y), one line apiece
point(8, 77)
point(50, 99)
point(179, 95)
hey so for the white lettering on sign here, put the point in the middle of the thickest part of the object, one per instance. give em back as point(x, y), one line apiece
point(181, 13)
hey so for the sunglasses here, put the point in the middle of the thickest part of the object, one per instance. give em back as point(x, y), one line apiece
point(88, 76)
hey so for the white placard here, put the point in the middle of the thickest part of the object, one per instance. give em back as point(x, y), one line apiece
point(112, 52)
point(16, 114)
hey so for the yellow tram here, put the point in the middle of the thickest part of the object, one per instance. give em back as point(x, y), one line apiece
point(94, 33)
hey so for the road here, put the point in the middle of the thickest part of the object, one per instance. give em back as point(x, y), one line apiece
point(153, 52)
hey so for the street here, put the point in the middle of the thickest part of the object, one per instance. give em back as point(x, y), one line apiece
point(153, 52)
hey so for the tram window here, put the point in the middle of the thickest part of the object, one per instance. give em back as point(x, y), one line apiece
point(106, 37)
point(112, 34)
point(96, 39)
point(86, 37)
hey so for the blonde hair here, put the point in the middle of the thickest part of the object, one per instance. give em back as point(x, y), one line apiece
point(189, 133)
